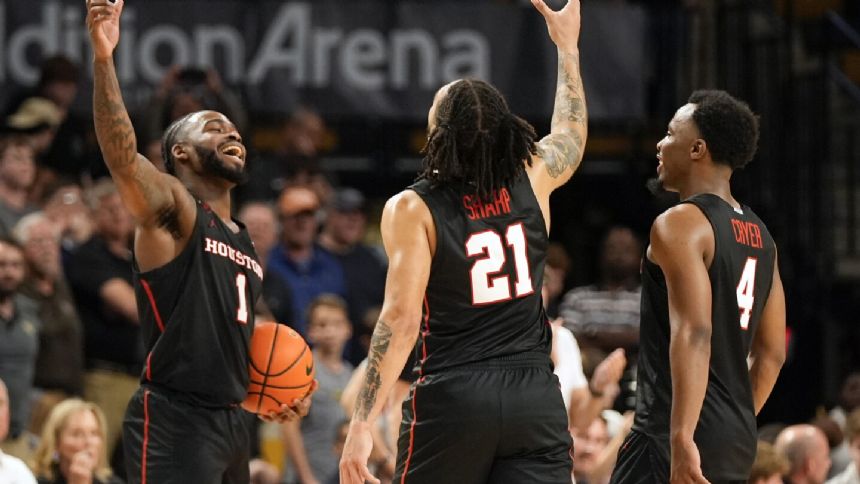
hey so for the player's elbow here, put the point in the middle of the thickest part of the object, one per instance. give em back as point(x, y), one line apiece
point(402, 321)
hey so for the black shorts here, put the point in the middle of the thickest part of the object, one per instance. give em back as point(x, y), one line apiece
point(168, 440)
point(501, 422)
point(641, 460)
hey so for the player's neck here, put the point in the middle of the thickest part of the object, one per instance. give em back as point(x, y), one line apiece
point(719, 187)
point(215, 195)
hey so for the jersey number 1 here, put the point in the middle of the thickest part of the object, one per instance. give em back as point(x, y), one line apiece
point(487, 287)
point(745, 291)
point(242, 312)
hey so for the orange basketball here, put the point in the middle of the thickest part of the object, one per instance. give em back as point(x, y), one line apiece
point(281, 368)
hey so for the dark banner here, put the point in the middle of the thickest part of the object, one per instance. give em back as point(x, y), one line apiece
point(376, 59)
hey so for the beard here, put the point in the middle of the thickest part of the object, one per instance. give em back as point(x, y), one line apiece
point(655, 186)
point(213, 165)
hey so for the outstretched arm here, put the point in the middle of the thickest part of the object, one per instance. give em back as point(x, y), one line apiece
point(147, 193)
point(560, 152)
point(768, 347)
point(680, 240)
point(407, 227)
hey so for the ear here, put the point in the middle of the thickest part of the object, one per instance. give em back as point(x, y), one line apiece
point(699, 149)
point(180, 152)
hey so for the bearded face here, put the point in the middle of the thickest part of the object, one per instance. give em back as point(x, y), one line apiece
point(214, 165)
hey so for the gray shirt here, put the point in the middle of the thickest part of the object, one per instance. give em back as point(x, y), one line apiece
point(19, 345)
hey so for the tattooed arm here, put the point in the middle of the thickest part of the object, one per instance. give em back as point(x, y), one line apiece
point(560, 152)
point(409, 238)
point(150, 196)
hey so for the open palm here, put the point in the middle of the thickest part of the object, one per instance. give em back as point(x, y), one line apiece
point(563, 25)
point(103, 25)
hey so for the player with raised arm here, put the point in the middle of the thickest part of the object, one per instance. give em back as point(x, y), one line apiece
point(467, 246)
point(196, 280)
point(713, 310)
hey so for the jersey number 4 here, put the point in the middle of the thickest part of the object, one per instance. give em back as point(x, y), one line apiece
point(488, 286)
point(745, 291)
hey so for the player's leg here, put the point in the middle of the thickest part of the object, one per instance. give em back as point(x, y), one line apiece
point(238, 468)
point(449, 428)
point(535, 444)
point(639, 462)
point(167, 441)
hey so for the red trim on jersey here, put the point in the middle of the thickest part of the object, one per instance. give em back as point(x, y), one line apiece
point(424, 334)
point(411, 431)
point(149, 366)
point(145, 436)
point(151, 298)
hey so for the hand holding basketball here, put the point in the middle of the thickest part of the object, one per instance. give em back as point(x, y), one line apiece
point(281, 373)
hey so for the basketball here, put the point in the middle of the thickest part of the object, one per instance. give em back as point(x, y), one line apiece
point(281, 368)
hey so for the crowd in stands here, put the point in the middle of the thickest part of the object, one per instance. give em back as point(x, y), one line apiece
point(70, 344)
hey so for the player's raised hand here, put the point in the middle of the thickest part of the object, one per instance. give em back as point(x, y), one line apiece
point(356, 452)
point(563, 25)
point(103, 25)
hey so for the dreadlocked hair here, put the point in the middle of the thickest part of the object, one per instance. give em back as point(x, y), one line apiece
point(172, 136)
point(477, 141)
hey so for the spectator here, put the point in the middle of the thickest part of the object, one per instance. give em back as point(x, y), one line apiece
point(100, 276)
point(342, 235)
point(851, 474)
point(606, 315)
point(63, 203)
point(12, 469)
point(19, 345)
point(37, 120)
point(306, 268)
point(262, 225)
point(311, 440)
point(293, 160)
point(554, 275)
point(808, 454)
point(17, 174)
point(596, 448)
point(72, 449)
point(840, 456)
point(769, 465)
point(849, 399)
point(583, 400)
point(59, 364)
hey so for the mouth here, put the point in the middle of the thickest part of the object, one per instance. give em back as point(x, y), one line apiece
point(234, 150)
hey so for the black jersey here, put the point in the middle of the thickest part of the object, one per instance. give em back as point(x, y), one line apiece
point(483, 296)
point(197, 314)
point(741, 275)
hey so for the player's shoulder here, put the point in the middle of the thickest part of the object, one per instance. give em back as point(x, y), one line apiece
point(684, 223)
point(406, 203)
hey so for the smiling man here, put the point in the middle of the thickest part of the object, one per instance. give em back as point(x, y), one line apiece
point(196, 280)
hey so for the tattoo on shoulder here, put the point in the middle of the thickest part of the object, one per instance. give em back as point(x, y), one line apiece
point(560, 151)
point(373, 378)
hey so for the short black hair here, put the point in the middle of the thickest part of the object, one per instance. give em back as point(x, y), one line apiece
point(727, 125)
point(172, 135)
point(477, 140)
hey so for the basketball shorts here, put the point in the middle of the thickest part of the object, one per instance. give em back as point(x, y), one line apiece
point(642, 461)
point(169, 440)
point(496, 422)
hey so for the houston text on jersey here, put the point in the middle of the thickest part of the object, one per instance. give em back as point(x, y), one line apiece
point(220, 248)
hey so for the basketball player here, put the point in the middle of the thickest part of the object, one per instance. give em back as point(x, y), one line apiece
point(712, 301)
point(196, 280)
point(472, 232)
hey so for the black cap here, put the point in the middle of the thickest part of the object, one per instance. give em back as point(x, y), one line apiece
point(348, 200)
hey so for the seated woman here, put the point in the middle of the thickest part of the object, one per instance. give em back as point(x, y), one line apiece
point(72, 449)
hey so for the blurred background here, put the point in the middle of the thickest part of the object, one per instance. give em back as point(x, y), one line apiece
point(333, 96)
